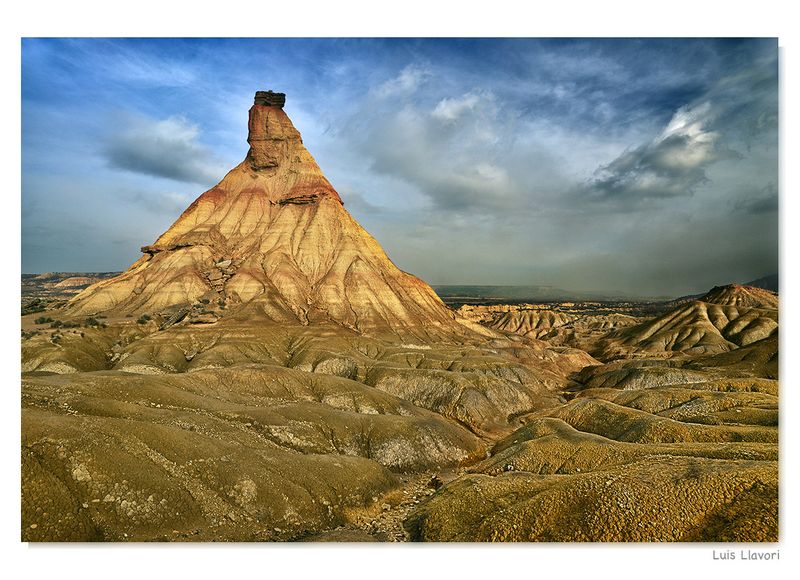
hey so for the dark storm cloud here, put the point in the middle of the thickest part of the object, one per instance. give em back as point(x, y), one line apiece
point(765, 201)
point(161, 148)
point(764, 205)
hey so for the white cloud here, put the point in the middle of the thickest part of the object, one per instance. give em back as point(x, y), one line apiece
point(409, 79)
point(671, 165)
point(492, 172)
point(688, 120)
point(452, 109)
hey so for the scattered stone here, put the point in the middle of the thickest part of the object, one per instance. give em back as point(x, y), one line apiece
point(175, 318)
point(81, 474)
point(204, 318)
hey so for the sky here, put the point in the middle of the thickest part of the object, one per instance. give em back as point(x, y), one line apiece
point(642, 166)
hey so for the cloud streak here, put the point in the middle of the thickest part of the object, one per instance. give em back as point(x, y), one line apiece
point(166, 148)
point(450, 110)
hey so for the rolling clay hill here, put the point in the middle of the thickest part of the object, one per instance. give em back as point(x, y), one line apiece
point(726, 318)
point(576, 328)
point(653, 446)
point(273, 235)
point(745, 296)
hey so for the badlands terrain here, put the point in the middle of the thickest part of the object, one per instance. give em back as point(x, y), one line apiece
point(264, 372)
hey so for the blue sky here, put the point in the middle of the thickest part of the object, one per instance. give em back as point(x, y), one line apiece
point(647, 166)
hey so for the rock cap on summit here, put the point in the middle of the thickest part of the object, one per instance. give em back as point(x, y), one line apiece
point(270, 99)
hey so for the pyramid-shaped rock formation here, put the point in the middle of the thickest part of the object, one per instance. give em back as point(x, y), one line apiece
point(273, 235)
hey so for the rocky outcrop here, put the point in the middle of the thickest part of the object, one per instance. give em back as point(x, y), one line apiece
point(274, 235)
point(270, 99)
point(272, 137)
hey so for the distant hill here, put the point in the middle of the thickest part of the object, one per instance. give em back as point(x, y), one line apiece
point(767, 282)
point(468, 294)
point(725, 318)
point(746, 296)
point(534, 293)
point(456, 295)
